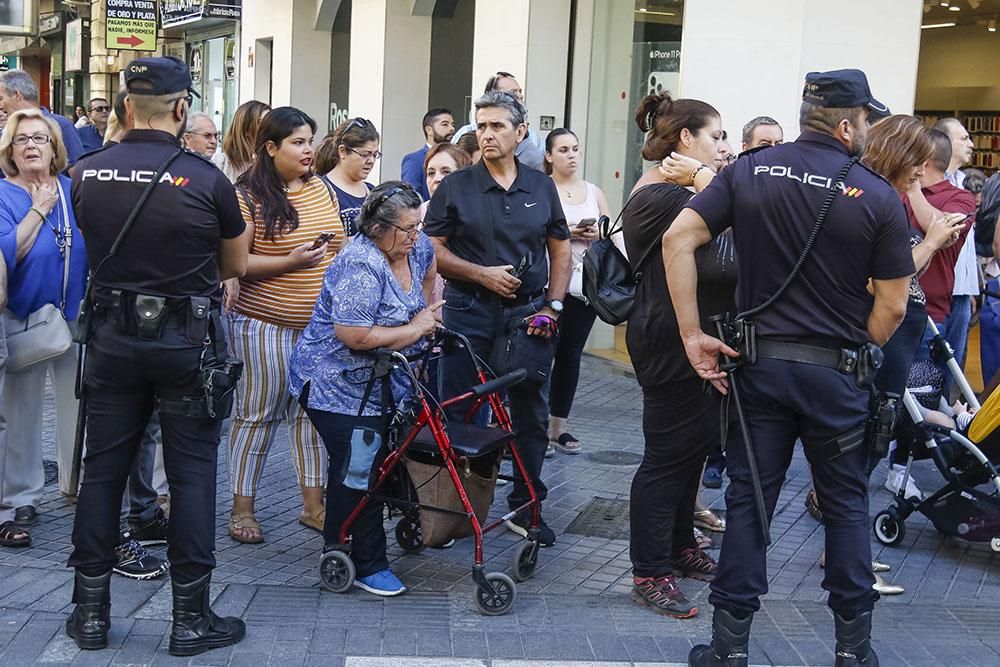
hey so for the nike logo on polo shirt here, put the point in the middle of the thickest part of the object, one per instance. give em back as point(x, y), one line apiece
point(527, 205)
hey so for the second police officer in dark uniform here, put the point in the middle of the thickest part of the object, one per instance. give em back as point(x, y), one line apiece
point(156, 342)
point(810, 344)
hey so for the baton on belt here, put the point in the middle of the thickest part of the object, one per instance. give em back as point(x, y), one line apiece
point(81, 424)
point(758, 493)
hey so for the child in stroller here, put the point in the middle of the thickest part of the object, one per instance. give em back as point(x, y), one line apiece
point(961, 440)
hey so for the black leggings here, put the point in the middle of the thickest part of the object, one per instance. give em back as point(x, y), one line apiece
point(574, 327)
point(680, 420)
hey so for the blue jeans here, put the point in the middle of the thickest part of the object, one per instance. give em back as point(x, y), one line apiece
point(989, 333)
point(480, 321)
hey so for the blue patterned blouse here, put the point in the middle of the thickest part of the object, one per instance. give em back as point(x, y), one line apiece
point(359, 290)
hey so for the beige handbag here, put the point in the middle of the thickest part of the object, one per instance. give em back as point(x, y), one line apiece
point(44, 334)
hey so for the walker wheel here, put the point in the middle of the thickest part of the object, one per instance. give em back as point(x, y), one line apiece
point(499, 603)
point(336, 572)
point(524, 560)
point(888, 530)
point(995, 544)
point(408, 535)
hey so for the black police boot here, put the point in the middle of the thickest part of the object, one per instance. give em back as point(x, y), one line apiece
point(196, 628)
point(88, 624)
point(854, 641)
point(730, 637)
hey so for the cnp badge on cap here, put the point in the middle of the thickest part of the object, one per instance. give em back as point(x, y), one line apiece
point(164, 75)
point(841, 89)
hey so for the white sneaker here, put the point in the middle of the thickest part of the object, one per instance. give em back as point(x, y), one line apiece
point(895, 478)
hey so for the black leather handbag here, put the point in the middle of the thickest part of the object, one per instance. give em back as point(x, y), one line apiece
point(608, 280)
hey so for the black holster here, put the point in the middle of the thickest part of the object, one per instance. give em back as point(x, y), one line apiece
point(882, 425)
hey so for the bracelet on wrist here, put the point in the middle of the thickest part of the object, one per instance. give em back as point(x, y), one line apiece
point(40, 214)
point(694, 172)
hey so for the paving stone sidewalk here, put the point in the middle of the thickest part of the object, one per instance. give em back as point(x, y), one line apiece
point(576, 608)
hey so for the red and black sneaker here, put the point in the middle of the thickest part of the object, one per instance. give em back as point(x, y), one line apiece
point(694, 563)
point(663, 596)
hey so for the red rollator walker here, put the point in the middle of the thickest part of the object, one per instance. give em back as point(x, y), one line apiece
point(418, 428)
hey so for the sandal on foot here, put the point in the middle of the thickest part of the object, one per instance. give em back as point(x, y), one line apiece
point(313, 521)
point(706, 519)
point(566, 444)
point(812, 505)
point(12, 536)
point(25, 516)
point(245, 521)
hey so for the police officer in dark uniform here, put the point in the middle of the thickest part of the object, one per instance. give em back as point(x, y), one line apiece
point(156, 342)
point(805, 357)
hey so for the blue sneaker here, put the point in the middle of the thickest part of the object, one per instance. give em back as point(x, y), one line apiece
point(382, 583)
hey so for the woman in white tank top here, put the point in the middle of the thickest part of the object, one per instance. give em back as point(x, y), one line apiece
point(583, 203)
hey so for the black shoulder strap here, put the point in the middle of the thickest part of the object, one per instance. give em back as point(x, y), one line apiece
point(807, 248)
point(130, 221)
point(618, 227)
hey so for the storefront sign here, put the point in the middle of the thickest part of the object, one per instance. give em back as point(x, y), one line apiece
point(74, 46)
point(131, 25)
point(656, 69)
point(230, 59)
point(8, 63)
point(195, 64)
point(179, 12)
point(49, 24)
point(18, 17)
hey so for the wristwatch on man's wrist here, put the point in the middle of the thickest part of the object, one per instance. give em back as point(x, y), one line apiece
point(555, 305)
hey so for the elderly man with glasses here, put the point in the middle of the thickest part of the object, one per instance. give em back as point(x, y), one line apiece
point(200, 135)
point(92, 135)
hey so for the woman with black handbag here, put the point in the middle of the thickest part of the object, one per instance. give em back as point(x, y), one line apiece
point(680, 412)
point(47, 262)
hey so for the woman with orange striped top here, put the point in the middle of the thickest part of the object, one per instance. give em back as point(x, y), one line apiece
point(294, 228)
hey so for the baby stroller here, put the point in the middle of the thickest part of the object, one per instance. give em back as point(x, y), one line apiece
point(417, 431)
point(957, 509)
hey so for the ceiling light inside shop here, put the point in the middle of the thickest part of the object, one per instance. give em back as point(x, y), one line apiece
point(944, 3)
point(955, 8)
point(992, 25)
point(938, 25)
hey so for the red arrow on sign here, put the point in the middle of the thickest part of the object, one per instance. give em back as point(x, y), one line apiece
point(131, 40)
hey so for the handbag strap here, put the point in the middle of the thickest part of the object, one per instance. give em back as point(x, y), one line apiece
point(69, 246)
point(130, 221)
point(618, 226)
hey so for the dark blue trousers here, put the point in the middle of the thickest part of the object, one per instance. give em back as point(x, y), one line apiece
point(529, 405)
point(785, 401)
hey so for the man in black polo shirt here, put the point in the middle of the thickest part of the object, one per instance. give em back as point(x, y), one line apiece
point(810, 343)
point(488, 223)
point(156, 323)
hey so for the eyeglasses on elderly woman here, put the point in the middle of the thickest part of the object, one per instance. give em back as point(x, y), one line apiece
point(38, 139)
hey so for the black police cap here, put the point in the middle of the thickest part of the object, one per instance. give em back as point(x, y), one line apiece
point(841, 89)
point(165, 75)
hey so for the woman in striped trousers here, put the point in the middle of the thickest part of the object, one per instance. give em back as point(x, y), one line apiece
point(294, 227)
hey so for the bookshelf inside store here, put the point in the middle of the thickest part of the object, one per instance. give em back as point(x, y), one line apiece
point(984, 129)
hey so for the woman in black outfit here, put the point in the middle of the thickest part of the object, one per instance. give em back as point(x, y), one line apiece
point(680, 412)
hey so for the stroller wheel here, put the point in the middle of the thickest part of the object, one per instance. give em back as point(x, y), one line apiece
point(336, 572)
point(995, 544)
point(888, 530)
point(408, 535)
point(499, 603)
point(524, 560)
